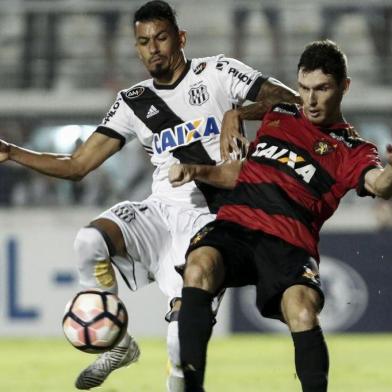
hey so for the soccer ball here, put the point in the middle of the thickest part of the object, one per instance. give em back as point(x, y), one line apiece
point(95, 321)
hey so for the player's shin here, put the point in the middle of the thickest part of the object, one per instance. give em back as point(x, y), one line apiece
point(94, 265)
point(195, 327)
point(175, 378)
point(96, 271)
point(311, 359)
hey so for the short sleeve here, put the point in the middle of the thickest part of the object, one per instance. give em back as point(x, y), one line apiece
point(240, 81)
point(119, 121)
point(360, 160)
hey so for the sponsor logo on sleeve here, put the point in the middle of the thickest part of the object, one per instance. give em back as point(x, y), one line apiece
point(134, 92)
point(239, 75)
point(200, 68)
point(112, 111)
point(279, 109)
point(221, 64)
point(349, 142)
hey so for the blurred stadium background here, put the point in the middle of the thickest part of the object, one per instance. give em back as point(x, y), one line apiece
point(61, 63)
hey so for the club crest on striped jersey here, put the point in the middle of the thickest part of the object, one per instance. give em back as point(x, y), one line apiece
point(198, 95)
point(184, 134)
point(323, 147)
point(285, 156)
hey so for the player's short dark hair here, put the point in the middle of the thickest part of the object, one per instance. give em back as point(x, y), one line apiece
point(327, 56)
point(156, 9)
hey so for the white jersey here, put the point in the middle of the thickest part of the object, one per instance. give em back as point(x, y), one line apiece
point(182, 122)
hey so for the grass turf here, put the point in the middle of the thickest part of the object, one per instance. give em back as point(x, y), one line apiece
point(246, 363)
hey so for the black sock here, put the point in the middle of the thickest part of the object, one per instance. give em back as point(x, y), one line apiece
point(311, 360)
point(194, 331)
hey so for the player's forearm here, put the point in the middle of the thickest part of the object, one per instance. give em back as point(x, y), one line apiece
point(271, 93)
point(383, 183)
point(222, 176)
point(55, 165)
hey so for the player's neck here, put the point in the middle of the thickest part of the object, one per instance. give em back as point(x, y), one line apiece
point(178, 69)
point(332, 120)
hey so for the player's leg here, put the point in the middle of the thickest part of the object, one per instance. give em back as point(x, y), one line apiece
point(204, 275)
point(95, 247)
point(116, 237)
point(175, 378)
point(184, 223)
point(300, 308)
point(219, 256)
point(288, 289)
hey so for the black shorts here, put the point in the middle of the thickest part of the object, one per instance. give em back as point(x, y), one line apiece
point(252, 257)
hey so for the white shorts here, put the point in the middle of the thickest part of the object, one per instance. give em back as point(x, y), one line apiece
point(156, 236)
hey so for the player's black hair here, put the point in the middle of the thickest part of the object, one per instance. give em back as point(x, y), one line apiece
point(156, 9)
point(327, 56)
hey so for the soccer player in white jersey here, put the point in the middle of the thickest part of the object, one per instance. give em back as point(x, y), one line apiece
point(177, 116)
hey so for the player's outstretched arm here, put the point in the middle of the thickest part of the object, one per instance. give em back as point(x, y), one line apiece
point(86, 158)
point(221, 176)
point(271, 93)
point(379, 182)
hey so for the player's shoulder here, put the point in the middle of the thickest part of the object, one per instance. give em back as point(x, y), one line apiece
point(289, 109)
point(345, 136)
point(136, 90)
point(218, 62)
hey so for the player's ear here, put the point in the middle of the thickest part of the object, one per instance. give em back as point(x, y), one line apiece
point(346, 85)
point(182, 38)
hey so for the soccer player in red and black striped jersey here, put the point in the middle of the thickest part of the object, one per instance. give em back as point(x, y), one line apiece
point(302, 162)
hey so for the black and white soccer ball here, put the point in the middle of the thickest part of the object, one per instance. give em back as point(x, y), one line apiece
point(95, 321)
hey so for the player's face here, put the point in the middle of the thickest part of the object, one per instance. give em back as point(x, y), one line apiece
point(159, 47)
point(321, 96)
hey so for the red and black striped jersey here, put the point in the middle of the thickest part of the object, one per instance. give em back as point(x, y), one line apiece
point(295, 175)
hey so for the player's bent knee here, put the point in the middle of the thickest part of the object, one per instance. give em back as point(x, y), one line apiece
point(94, 264)
point(204, 269)
point(303, 319)
point(194, 274)
point(300, 307)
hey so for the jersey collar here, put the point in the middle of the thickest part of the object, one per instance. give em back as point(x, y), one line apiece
point(177, 82)
point(339, 126)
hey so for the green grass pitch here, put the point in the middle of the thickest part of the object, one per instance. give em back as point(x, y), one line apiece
point(245, 363)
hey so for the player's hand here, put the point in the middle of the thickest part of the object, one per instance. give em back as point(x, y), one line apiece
point(180, 174)
point(231, 138)
point(4, 151)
